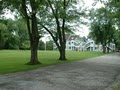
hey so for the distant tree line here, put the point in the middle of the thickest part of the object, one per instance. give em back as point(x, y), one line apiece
point(48, 45)
point(13, 35)
point(105, 24)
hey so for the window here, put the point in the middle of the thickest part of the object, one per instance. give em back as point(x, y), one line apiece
point(91, 48)
point(91, 42)
point(69, 43)
point(69, 47)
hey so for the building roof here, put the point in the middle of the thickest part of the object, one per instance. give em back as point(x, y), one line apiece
point(71, 37)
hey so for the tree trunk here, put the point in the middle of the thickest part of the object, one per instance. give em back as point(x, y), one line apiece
point(34, 53)
point(104, 49)
point(108, 49)
point(62, 55)
point(32, 30)
point(34, 42)
point(63, 41)
point(59, 39)
point(62, 52)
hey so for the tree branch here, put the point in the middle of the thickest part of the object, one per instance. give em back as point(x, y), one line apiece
point(57, 21)
point(55, 40)
point(26, 17)
point(63, 24)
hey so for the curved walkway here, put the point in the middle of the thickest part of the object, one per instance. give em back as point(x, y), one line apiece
point(92, 74)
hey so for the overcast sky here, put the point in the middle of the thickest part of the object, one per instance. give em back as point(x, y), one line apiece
point(84, 31)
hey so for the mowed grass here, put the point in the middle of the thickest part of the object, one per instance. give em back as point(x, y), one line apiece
point(15, 60)
point(116, 87)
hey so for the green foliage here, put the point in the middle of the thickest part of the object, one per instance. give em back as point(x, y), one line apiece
point(117, 39)
point(14, 60)
point(12, 42)
point(116, 86)
point(25, 45)
point(29, 10)
point(102, 27)
point(13, 34)
point(45, 45)
point(41, 45)
point(49, 45)
point(71, 14)
point(12, 26)
point(13, 39)
point(57, 18)
point(114, 7)
point(23, 34)
point(3, 35)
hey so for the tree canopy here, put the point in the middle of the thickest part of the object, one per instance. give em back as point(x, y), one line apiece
point(105, 23)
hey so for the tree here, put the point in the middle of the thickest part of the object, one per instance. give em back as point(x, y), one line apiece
point(33, 29)
point(49, 45)
point(117, 39)
point(17, 36)
point(22, 33)
point(3, 35)
point(12, 42)
point(28, 9)
point(12, 38)
point(2, 6)
point(102, 29)
point(41, 45)
point(56, 18)
point(114, 5)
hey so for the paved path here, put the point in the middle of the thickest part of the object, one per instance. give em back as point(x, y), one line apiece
point(92, 74)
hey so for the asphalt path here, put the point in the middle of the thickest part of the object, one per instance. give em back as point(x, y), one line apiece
point(91, 74)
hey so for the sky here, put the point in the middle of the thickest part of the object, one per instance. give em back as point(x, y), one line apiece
point(8, 14)
point(84, 31)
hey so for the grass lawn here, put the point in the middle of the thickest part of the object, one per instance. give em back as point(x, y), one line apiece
point(15, 60)
point(116, 86)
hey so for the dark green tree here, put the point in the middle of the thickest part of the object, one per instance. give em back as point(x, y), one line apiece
point(117, 39)
point(114, 6)
point(12, 42)
point(49, 45)
point(12, 38)
point(23, 35)
point(56, 18)
point(102, 28)
point(3, 35)
point(41, 45)
point(17, 36)
point(28, 9)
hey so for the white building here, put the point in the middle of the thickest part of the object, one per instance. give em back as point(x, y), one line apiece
point(74, 42)
point(70, 42)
